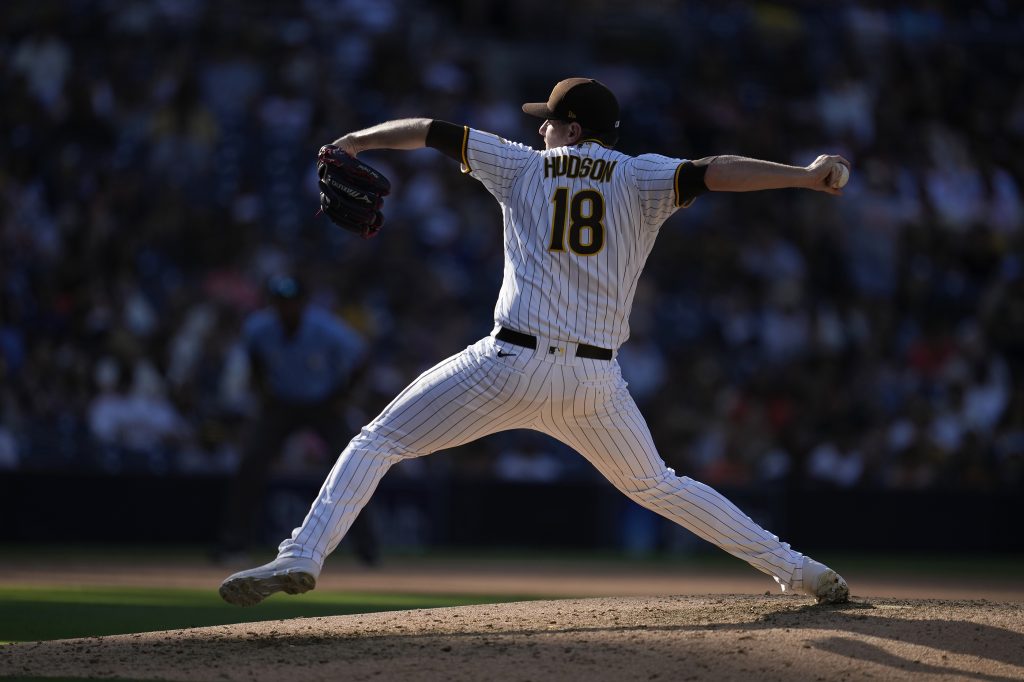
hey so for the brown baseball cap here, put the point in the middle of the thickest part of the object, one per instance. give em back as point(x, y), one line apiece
point(583, 100)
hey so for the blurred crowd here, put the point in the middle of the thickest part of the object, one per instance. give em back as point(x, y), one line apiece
point(158, 166)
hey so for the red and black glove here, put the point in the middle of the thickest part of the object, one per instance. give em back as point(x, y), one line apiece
point(351, 192)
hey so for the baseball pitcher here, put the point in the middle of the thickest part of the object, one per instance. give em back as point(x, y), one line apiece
point(580, 219)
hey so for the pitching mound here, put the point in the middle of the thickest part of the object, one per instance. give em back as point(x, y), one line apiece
point(635, 638)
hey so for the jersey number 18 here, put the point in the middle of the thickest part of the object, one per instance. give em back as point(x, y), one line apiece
point(584, 213)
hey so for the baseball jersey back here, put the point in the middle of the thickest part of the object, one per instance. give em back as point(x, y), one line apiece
point(580, 222)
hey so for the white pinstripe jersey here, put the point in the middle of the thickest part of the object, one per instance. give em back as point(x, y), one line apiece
point(580, 222)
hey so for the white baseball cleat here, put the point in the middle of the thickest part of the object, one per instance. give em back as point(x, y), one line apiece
point(824, 584)
point(291, 575)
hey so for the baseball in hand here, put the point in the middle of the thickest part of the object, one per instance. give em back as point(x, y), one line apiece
point(840, 175)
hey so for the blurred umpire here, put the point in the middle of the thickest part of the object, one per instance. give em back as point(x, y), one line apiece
point(303, 361)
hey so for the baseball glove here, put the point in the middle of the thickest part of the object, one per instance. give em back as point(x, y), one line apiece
point(351, 192)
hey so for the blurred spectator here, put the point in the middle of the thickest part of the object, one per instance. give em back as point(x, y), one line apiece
point(533, 465)
point(304, 360)
point(1009, 443)
point(836, 462)
point(8, 450)
point(135, 425)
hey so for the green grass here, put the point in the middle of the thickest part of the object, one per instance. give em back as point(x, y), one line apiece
point(40, 613)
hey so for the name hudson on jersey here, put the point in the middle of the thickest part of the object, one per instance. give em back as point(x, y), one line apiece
point(576, 167)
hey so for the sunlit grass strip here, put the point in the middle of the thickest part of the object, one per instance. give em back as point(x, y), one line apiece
point(31, 613)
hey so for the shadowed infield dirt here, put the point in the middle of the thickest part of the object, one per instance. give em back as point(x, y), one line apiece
point(719, 637)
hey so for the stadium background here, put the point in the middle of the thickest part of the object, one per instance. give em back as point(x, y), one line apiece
point(854, 363)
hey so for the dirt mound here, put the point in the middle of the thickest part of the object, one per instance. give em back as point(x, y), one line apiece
point(636, 638)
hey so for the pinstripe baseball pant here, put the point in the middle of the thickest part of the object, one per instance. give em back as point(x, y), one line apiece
point(582, 402)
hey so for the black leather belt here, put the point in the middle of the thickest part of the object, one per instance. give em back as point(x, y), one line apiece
point(530, 341)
